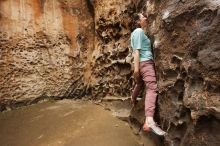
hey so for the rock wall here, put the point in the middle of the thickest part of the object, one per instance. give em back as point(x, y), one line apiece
point(112, 55)
point(73, 49)
point(186, 38)
point(45, 49)
point(64, 49)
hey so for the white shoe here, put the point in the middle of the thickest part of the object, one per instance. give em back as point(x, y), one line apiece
point(155, 128)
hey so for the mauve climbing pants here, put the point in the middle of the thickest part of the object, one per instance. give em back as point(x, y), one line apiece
point(148, 77)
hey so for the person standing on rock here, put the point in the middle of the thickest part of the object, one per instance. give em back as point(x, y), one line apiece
point(144, 71)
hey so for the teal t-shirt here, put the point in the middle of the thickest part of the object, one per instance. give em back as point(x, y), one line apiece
point(141, 42)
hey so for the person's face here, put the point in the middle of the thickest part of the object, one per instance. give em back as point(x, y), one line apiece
point(142, 20)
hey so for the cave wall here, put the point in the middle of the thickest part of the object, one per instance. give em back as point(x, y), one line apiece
point(45, 48)
point(186, 37)
point(64, 49)
point(73, 49)
point(111, 59)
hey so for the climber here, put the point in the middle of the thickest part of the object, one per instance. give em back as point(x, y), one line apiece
point(144, 72)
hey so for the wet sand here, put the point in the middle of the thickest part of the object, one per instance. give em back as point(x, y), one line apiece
point(64, 123)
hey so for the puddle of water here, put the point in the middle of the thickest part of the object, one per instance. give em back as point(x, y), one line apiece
point(64, 123)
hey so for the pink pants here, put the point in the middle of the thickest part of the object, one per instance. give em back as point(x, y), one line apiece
point(148, 77)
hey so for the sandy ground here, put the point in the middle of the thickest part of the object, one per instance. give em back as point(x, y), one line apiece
point(64, 123)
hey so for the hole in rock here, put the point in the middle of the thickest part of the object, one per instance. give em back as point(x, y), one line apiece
point(170, 74)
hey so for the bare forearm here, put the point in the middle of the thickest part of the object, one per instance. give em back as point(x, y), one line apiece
point(136, 60)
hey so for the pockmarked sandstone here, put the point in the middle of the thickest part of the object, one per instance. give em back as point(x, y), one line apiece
point(45, 49)
point(81, 49)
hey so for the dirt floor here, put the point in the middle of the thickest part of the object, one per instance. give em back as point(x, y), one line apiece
point(64, 123)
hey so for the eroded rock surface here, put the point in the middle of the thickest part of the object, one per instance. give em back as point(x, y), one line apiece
point(112, 57)
point(45, 49)
point(187, 50)
point(64, 49)
point(185, 36)
point(73, 49)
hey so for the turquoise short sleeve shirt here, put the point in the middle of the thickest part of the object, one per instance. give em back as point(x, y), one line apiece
point(141, 42)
